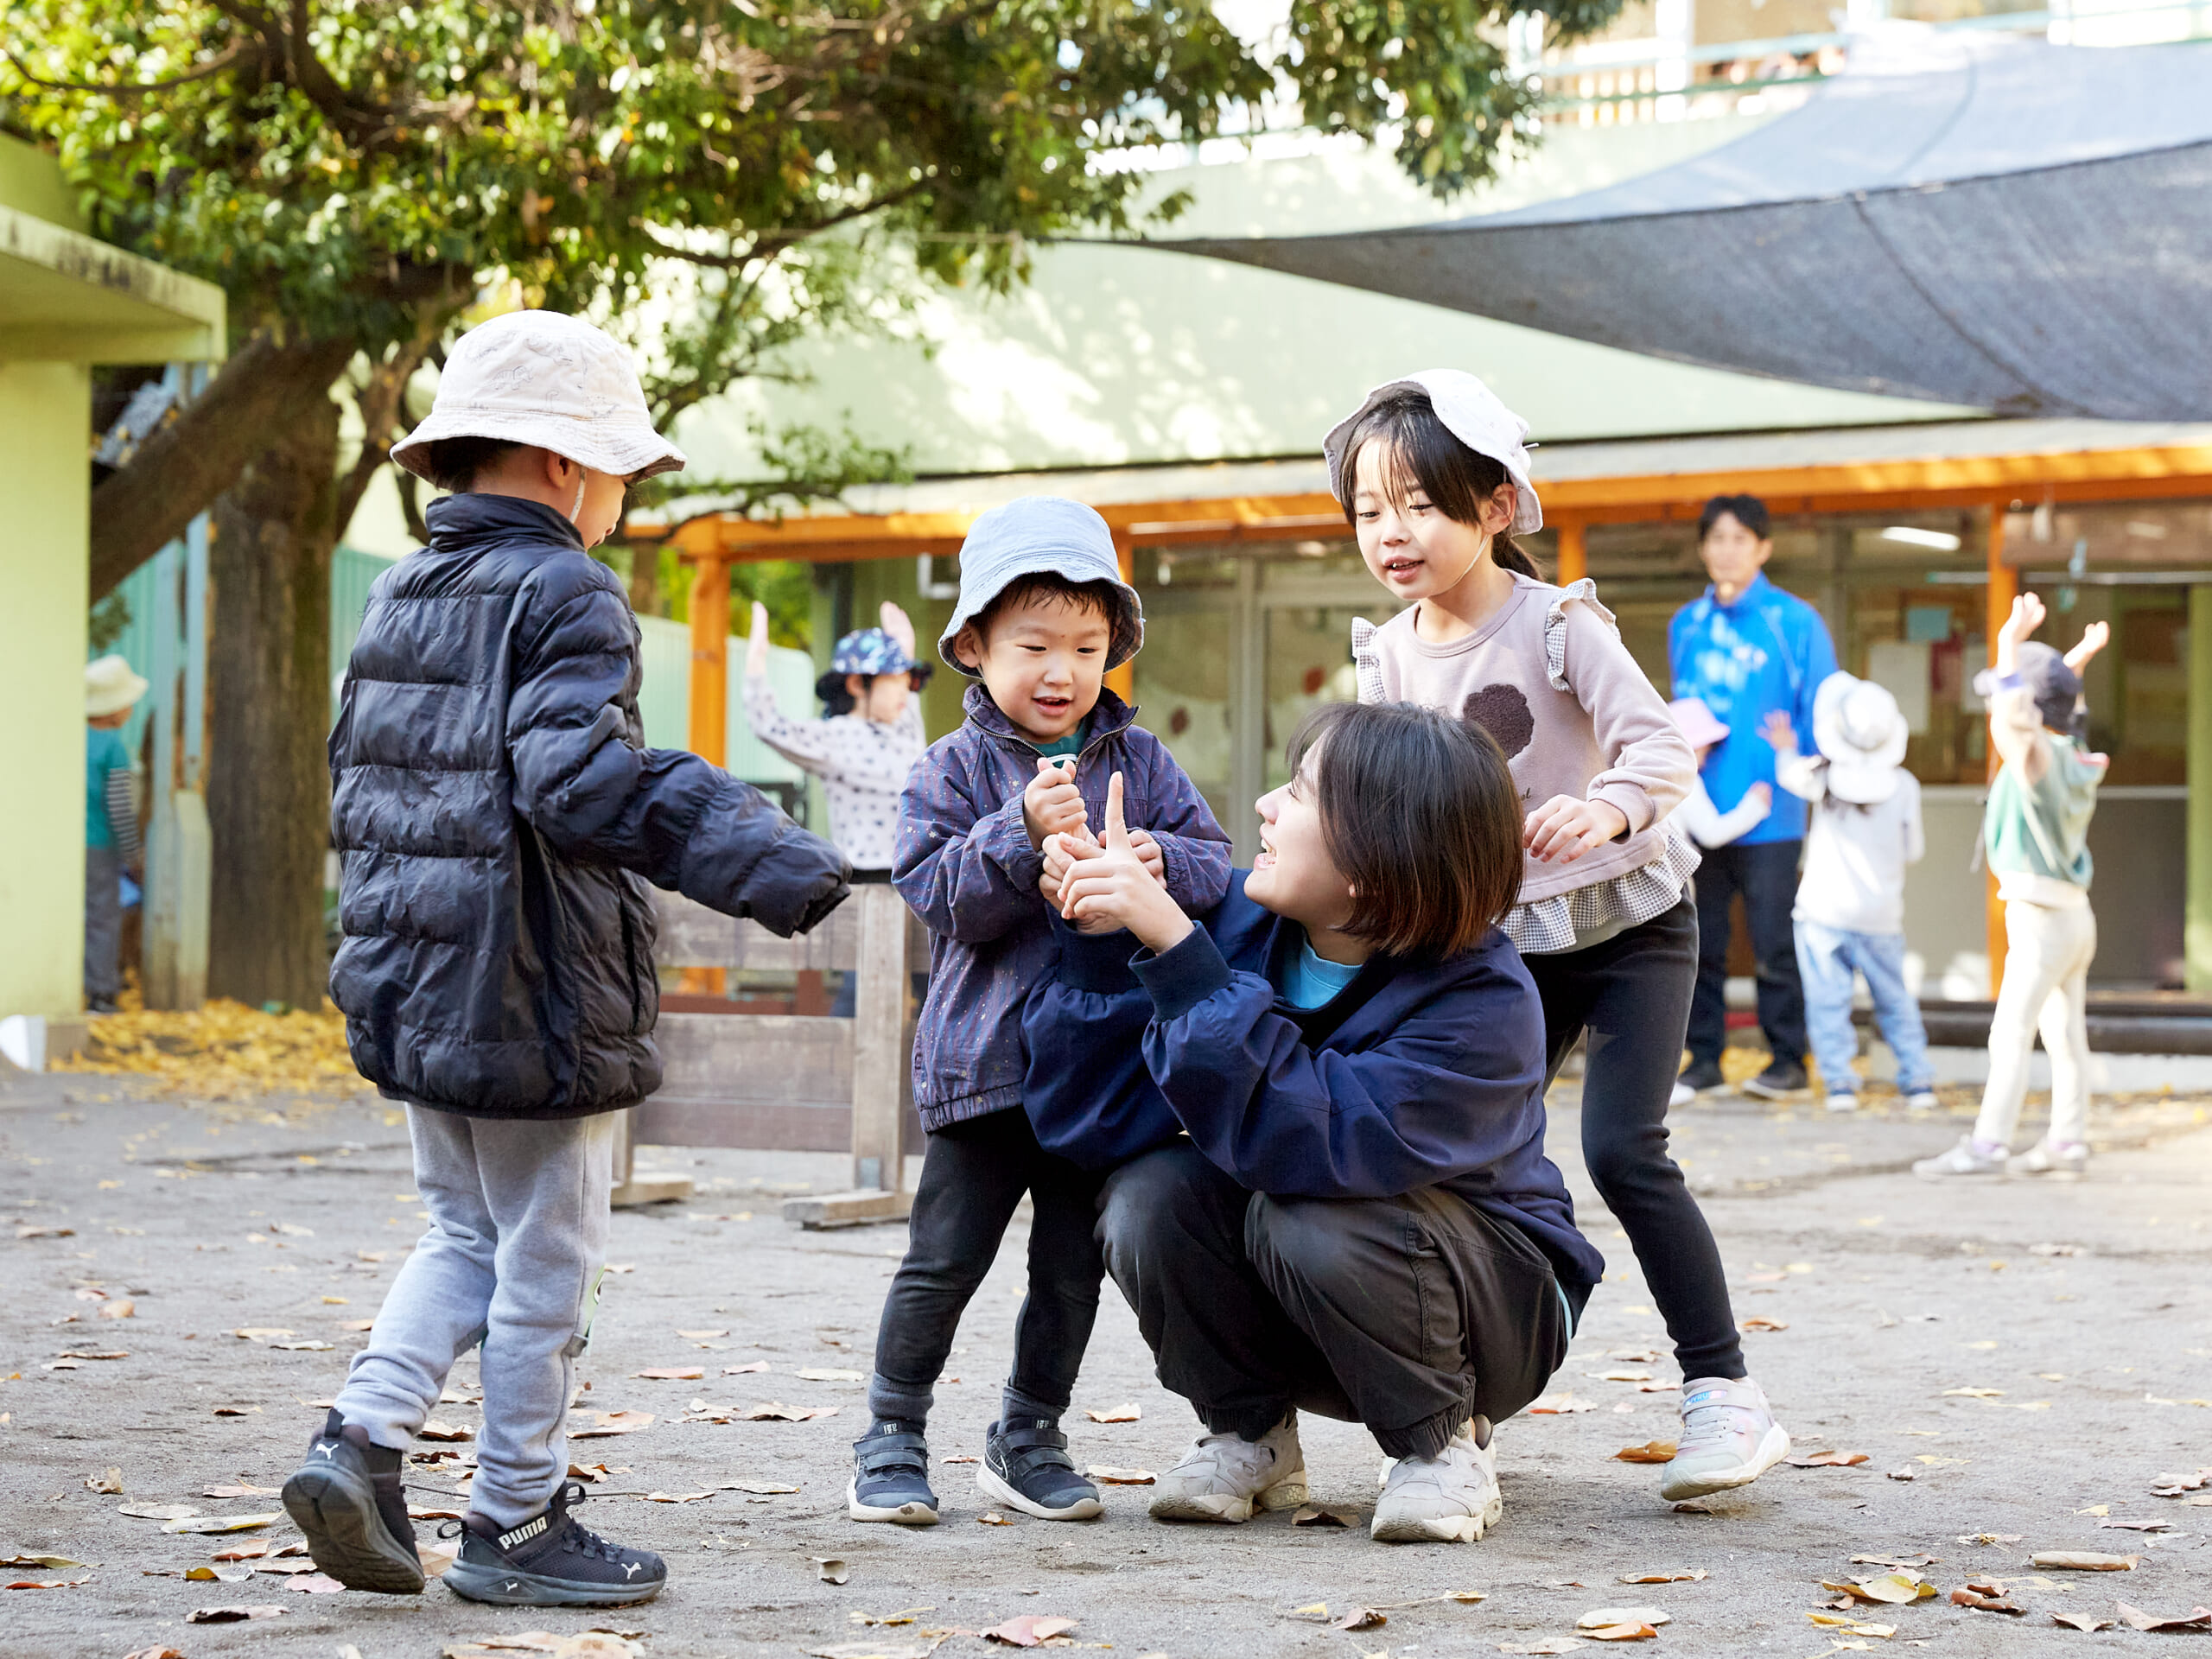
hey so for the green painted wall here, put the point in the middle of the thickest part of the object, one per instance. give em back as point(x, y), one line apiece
point(45, 412)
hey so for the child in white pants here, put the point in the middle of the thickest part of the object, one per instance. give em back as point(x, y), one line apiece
point(2035, 830)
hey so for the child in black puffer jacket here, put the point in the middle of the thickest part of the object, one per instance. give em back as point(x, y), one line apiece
point(498, 818)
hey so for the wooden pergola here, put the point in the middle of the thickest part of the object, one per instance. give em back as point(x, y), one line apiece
point(1995, 481)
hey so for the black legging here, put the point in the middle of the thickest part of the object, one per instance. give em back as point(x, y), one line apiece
point(1632, 994)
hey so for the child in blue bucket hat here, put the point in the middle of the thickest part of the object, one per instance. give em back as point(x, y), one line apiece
point(1043, 615)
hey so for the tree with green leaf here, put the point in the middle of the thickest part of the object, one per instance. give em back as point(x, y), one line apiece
point(719, 180)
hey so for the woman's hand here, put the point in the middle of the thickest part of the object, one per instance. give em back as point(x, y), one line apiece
point(1113, 887)
point(1780, 730)
point(756, 645)
point(1564, 828)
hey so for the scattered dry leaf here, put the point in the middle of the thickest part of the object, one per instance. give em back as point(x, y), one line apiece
point(1827, 1460)
point(830, 1569)
point(672, 1374)
point(1029, 1630)
point(678, 1497)
point(745, 1370)
point(315, 1584)
point(1599, 1617)
point(1128, 1414)
point(1546, 1645)
point(1318, 1515)
point(613, 1422)
point(1650, 1452)
point(1359, 1619)
point(1844, 1622)
point(109, 1481)
point(701, 1336)
point(2081, 1621)
point(120, 1308)
point(1678, 1575)
point(1973, 1394)
point(2083, 1561)
point(2197, 1618)
point(1892, 1588)
point(209, 1523)
point(1760, 1322)
point(239, 1491)
point(774, 1411)
point(827, 1374)
point(1107, 1474)
point(992, 1518)
point(1558, 1405)
point(758, 1488)
point(1987, 1596)
point(1620, 1632)
point(46, 1584)
point(437, 1431)
point(231, 1615)
point(156, 1511)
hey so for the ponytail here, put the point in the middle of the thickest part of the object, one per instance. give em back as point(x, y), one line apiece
point(1509, 554)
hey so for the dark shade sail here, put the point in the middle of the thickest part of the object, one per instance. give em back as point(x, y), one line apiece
point(2001, 223)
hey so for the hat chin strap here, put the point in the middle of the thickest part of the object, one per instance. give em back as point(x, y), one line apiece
point(576, 507)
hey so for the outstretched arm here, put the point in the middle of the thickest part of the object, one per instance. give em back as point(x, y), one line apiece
point(663, 813)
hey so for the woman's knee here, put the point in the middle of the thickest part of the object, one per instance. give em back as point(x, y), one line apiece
point(1156, 1204)
point(1301, 1240)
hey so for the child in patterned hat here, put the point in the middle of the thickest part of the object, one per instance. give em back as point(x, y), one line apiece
point(866, 743)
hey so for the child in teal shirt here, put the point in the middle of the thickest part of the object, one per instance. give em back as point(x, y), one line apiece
point(111, 849)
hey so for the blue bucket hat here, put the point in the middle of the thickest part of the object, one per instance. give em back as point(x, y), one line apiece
point(872, 651)
point(1038, 535)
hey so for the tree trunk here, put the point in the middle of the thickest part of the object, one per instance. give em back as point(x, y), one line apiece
point(268, 694)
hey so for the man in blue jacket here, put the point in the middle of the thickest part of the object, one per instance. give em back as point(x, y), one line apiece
point(1747, 649)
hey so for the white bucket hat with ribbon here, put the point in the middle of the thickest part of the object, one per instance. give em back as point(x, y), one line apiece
point(554, 381)
point(1860, 730)
point(1470, 412)
point(111, 686)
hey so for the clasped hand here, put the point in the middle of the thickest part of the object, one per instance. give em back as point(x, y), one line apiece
point(1101, 887)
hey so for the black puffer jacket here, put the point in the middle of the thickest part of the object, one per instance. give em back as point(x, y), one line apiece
point(498, 817)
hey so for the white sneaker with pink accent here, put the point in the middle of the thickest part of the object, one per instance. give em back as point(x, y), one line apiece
point(1729, 1439)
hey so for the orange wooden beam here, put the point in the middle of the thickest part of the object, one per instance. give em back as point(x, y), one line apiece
point(1573, 553)
point(1856, 486)
point(1122, 681)
point(710, 702)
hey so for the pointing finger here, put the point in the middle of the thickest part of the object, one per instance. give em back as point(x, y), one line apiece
point(1117, 831)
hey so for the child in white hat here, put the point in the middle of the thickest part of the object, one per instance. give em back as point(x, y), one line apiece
point(112, 688)
point(1863, 828)
point(498, 818)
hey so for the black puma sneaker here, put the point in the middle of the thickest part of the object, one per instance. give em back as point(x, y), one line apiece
point(1025, 1463)
point(551, 1560)
point(347, 1498)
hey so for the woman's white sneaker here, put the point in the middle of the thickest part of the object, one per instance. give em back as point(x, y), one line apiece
point(1222, 1477)
point(1729, 1439)
point(1451, 1498)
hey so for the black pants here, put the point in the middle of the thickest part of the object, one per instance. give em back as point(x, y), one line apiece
point(1410, 1315)
point(973, 1175)
point(103, 923)
point(1631, 995)
point(1767, 877)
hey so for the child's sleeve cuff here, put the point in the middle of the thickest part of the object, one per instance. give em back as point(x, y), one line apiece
point(1184, 976)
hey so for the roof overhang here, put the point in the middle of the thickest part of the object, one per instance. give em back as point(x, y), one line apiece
point(67, 297)
point(1858, 469)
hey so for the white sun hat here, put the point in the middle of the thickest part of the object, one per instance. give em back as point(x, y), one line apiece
point(1860, 730)
point(545, 378)
point(1470, 412)
point(111, 686)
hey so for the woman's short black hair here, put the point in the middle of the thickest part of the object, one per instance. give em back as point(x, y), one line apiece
point(1746, 510)
point(1419, 452)
point(1420, 813)
point(453, 463)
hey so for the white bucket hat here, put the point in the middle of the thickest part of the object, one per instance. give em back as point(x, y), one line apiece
point(1860, 730)
point(554, 381)
point(1470, 412)
point(111, 686)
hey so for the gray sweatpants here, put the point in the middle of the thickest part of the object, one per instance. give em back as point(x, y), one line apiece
point(516, 1244)
point(103, 923)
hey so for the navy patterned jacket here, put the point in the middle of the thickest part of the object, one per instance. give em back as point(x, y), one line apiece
point(966, 866)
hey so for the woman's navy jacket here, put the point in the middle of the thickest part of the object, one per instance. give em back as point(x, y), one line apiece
point(1416, 1075)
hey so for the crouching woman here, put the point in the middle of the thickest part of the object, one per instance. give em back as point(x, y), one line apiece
point(1362, 1222)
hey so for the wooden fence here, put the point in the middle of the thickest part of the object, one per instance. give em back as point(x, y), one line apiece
point(794, 1081)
